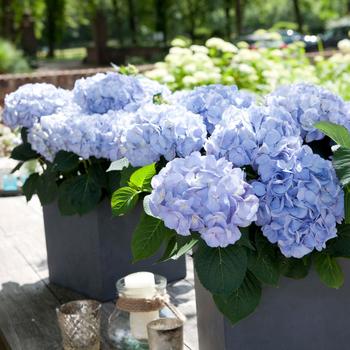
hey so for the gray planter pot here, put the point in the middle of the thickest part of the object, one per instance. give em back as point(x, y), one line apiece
point(89, 253)
point(300, 314)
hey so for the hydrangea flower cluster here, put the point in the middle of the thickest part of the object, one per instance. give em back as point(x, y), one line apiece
point(309, 104)
point(211, 101)
point(85, 135)
point(244, 136)
point(31, 101)
point(112, 91)
point(300, 204)
point(202, 194)
point(162, 130)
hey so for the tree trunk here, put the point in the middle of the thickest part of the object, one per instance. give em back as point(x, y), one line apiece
point(298, 16)
point(239, 16)
point(54, 23)
point(161, 18)
point(132, 21)
point(228, 4)
point(100, 35)
point(51, 28)
point(118, 21)
point(7, 20)
point(348, 7)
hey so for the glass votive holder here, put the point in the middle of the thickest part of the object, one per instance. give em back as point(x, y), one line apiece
point(79, 322)
point(165, 334)
point(127, 325)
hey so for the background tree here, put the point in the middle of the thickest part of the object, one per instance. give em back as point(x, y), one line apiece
point(54, 23)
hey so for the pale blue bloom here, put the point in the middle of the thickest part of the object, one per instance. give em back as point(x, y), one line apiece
point(211, 101)
point(113, 91)
point(28, 103)
point(300, 204)
point(245, 137)
point(162, 130)
point(205, 195)
point(308, 104)
point(92, 135)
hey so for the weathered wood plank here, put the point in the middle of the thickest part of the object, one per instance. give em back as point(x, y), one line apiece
point(28, 301)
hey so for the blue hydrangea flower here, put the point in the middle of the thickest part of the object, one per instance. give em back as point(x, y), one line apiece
point(205, 195)
point(300, 204)
point(85, 135)
point(211, 101)
point(244, 136)
point(309, 104)
point(113, 91)
point(31, 101)
point(162, 130)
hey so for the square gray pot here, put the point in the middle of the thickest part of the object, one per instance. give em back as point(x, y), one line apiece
point(89, 253)
point(298, 315)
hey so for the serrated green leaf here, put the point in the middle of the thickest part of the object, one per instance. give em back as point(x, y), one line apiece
point(66, 161)
point(78, 195)
point(118, 165)
point(142, 177)
point(340, 246)
point(329, 270)
point(341, 163)
point(23, 152)
point(295, 268)
point(242, 302)
point(337, 133)
point(148, 237)
point(220, 270)
point(244, 241)
point(178, 246)
point(263, 262)
point(47, 188)
point(123, 200)
point(125, 175)
point(30, 186)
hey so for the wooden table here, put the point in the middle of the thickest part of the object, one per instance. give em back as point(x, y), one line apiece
point(28, 301)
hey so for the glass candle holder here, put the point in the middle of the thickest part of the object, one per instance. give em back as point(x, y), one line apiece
point(79, 322)
point(165, 334)
point(128, 330)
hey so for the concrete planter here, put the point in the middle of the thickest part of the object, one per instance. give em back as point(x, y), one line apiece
point(89, 253)
point(300, 314)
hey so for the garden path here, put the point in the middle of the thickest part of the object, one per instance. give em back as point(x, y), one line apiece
point(27, 299)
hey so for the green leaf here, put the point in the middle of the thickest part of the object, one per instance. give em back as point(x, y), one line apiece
point(341, 163)
point(244, 241)
point(220, 270)
point(78, 195)
point(66, 161)
point(295, 268)
point(113, 181)
point(340, 246)
point(123, 200)
point(329, 270)
point(141, 178)
point(337, 133)
point(148, 237)
point(347, 204)
point(125, 175)
point(264, 263)
point(47, 188)
point(242, 302)
point(23, 152)
point(118, 165)
point(30, 187)
point(178, 246)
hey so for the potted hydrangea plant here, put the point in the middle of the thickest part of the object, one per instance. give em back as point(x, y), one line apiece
point(261, 203)
point(75, 136)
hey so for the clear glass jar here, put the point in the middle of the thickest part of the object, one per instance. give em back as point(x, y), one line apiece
point(128, 331)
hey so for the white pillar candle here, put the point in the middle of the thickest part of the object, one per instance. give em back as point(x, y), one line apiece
point(140, 285)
